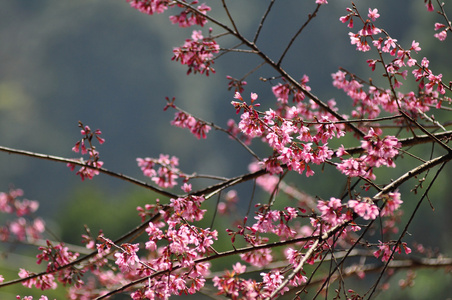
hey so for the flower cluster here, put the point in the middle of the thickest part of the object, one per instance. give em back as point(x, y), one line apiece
point(188, 17)
point(231, 285)
point(58, 256)
point(442, 35)
point(150, 7)
point(370, 103)
point(173, 246)
point(197, 53)
point(88, 170)
point(378, 152)
point(282, 128)
point(273, 221)
point(197, 127)
point(392, 202)
point(282, 92)
point(166, 174)
point(43, 282)
point(22, 227)
point(385, 250)
point(234, 130)
point(364, 208)
point(333, 212)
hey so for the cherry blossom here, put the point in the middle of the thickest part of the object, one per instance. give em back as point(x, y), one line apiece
point(189, 18)
point(332, 211)
point(167, 172)
point(373, 14)
point(127, 257)
point(93, 162)
point(150, 7)
point(365, 208)
point(197, 127)
point(197, 53)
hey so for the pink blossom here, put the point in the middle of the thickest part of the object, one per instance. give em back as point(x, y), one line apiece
point(281, 92)
point(197, 127)
point(189, 18)
point(365, 209)
point(435, 80)
point(439, 26)
point(127, 257)
point(149, 6)
point(332, 211)
point(415, 46)
point(321, 1)
point(380, 151)
point(384, 251)
point(43, 282)
point(352, 167)
point(389, 44)
point(250, 125)
point(373, 14)
point(186, 187)
point(392, 203)
point(258, 258)
point(239, 268)
point(272, 281)
point(441, 36)
point(429, 5)
point(188, 207)
point(197, 53)
point(93, 162)
point(165, 176)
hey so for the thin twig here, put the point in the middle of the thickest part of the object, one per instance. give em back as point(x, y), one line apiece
point(405, 230)
point(256, 36)
point(77, 162)
point(310, 18)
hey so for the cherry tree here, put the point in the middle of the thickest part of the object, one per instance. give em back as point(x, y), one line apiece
point(307, 247)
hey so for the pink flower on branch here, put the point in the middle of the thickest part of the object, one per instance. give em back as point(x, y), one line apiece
point(197, 127)
point(127, 258)
point(387, 253)
point(429, 5)
point(258, 258)
point(43, 282)
point(373, 14)
point(392, 202)
point(333, 212)
point(365, 208)
point(188, 17)
point(380, 152)
point(93, 162)
point(197, 53)
point(150, 7)
point(166, 174)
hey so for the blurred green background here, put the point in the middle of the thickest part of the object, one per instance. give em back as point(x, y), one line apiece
point(110, 67)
